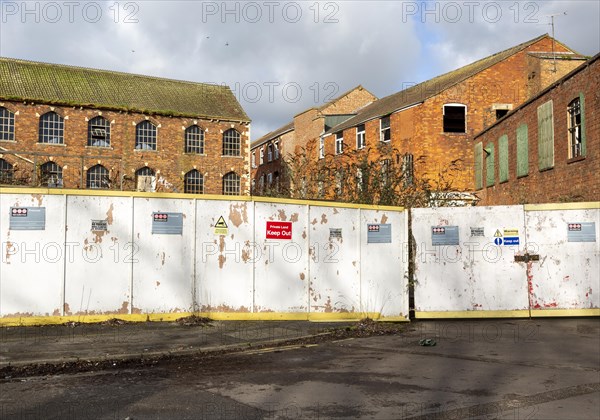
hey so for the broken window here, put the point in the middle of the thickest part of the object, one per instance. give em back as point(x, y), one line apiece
point(455, 118)
point(501, 113)
point(97, 177)
point(145, 136)
point(6, 172)
point(270, 153)
point(385, 131)
point(99, 132)
point(51, 175)
point(145, 179)
point(574, 110)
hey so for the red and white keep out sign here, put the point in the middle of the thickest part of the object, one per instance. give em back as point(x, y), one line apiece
point(279, 230)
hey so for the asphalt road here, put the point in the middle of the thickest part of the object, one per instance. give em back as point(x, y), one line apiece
point(508, 369)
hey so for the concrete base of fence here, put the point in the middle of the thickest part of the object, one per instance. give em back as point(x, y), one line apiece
point(538, 313)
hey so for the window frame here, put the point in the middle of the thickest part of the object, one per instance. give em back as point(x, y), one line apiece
point(146, 133)
point(361, 137)
point(575, 129)
point(276, 150)
point(7, 124)
point(104, 183)
point(51, 171)
point(228, 183)
point(385, 131)
point(193, 182)
point(7, 171)
point(49, 126)
point(321, 147)
point(232, 143)
point(93, 125)
point(194, 145)
point(339, 143)
point(446, 118)
point(270, 152)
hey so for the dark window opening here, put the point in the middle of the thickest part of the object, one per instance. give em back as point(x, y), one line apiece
point(501, 113)
point(454, 119)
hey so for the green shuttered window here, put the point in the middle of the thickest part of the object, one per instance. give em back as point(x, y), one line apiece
point(489, 165)
point(478, 153)
point(545, 136)
point(503, 158)
point(522, 151)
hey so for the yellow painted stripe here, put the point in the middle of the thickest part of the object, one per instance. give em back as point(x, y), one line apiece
point(325, 203)
point(217, 316)
point(563, 206)
point(542, 313)
point(471, 314)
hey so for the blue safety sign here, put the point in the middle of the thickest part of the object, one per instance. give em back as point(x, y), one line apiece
point(511, 241)
point(498, 241)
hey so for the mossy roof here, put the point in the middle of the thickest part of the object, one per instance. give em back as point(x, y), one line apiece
point(77, 86)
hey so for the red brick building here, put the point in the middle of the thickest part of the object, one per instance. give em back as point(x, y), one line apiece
point(63, 126)
point(434, 122)
point(547, 149)
point(268, 154)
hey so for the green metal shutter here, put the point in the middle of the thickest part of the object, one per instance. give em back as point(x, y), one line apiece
point(503, 158)
point(582, 105)
point(489, 165)
point(478, 152)
point(545, 136)
point(522, 151)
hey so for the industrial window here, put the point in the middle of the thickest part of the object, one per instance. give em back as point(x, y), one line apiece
point(276, 150)
point(194, 140)
point(478, 152)
point(231, 184)
point(339, 143)
point(99, 132)
point(231, 143)
point(51, 128)
point(385, 133)
point(193, 182)
point(270, 153)
point(51, 175)
point(7, 125)
point(321, 147)
point(97, 177)
point(522, 151)
point(145, 179)
point(503, 158)
point(489, 165)
point(455, 118)
point(360, 137)
point(545, 136)
point(6, 172)
point(145, 136)
point(576, 123)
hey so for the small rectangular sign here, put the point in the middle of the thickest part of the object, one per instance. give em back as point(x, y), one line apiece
point(379, 233)
point(444, 235)
point(477, 231)
point(279, 230)
point(99, 225)
point(335, 233)
point(581, 232)
point(27, 218)
point(511, 240)
point(167, 223)
point(511, 232)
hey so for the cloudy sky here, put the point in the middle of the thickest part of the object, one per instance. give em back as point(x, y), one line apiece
point(281, 57)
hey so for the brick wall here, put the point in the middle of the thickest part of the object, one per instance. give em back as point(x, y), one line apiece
point(169, 161)
point(569, 179)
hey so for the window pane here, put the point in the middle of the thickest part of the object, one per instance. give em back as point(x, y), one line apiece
point(99, 132)
point(194, 140)
point(231, 143)
point(145, 136)
point(51, 128)
point(7, 125)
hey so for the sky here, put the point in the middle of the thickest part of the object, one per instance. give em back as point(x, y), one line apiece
point(282, 57)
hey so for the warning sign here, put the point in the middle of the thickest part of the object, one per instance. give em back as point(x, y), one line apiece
point(498, 234)
point(279, 230)
point(221, 227)
point(511, 232)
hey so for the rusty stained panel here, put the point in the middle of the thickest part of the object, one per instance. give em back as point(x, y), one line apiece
point(31, 270)
point(98, 278)
point(567, 275)
point(278, 285)
point(476, 274)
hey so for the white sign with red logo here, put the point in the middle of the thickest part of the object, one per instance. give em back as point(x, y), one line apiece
point(279, 230)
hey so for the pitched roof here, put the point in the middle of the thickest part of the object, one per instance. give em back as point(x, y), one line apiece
point(422, 91)
point(79, 86)
point(273, 134)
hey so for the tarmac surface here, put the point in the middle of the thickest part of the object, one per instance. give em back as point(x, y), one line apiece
point(477, 369)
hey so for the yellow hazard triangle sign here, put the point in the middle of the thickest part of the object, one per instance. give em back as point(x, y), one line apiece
point(221, 227)
point(498, 234)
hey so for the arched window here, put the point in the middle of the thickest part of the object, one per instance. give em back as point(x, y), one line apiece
point(52, 128)
point(145, 136)
point(7, 125)
point(231, 184)
point(194, 140)
point(145, 179)
point(97, 177)
point(231, 143)
point(193, 182)
point(51, 175)
point(6, 172)
point(99, 132)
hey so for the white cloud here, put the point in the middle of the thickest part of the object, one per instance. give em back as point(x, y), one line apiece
point(380, 44)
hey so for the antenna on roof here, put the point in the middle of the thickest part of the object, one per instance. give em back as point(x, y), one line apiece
point(552, 24)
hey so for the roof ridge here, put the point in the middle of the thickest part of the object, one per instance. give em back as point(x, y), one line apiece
point(120, 73)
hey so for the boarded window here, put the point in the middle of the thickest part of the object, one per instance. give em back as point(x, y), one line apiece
point(489, 165)
point(545, 136)
point(522, 151)
point(478, 152)
point(503, 158)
